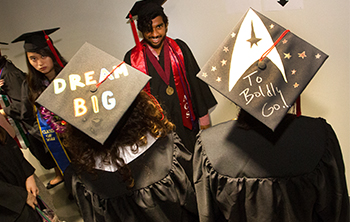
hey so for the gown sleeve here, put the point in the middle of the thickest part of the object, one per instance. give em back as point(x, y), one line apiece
point(207, 207)
point(13, 78)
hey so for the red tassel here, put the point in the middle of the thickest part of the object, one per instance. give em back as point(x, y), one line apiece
point(49, 43)
point(134, 32)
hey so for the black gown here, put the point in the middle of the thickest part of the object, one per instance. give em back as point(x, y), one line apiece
point(28, 118)
point(162, 191)
point(14, 171)
point(202, 98)
point(13, 78)
point(293, 174)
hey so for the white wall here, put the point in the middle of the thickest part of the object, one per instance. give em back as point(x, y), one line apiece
point(203, 24)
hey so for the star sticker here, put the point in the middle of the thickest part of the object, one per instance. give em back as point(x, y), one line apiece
point(302, 55)
point(218, 79)
point(204, 75)
point(296, 85)
point(223, 62)
point(233, 34)
point(272, 26)
point(294, 71)
point(253, 39)
point(284, 41)
point(318, 56)
point(225, 49)
point(213, 68)
point(287, 55)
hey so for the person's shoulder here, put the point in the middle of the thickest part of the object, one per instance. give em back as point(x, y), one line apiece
point(218, 131)
point(315, 122)
point(181, 43)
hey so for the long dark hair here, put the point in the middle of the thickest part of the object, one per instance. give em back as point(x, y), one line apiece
point(37, 79)
point(144, 117)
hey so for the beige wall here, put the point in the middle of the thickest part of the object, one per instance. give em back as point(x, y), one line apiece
point(203, 24)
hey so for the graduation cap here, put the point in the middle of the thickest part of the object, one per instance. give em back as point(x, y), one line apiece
point(93, 91)
point(34, 41)
point(146, 7)
point(262, 67)
point(140, 9)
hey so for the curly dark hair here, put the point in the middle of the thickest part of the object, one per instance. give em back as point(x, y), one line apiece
point(144, 116)
point(144, 22)
point(35, 78)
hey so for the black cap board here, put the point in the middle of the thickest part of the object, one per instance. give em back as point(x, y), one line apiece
point(87, 97)
point(35, 40)
point(262, 67)
point(146, 7)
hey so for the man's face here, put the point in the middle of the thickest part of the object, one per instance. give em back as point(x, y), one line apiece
point(156, 37)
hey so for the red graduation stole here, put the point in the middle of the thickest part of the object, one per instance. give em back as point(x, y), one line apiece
point(138, 61)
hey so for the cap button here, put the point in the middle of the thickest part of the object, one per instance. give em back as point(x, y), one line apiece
point(261, 65)
point(93, 88)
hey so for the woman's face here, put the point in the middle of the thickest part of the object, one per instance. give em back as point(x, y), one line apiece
point(41, 63)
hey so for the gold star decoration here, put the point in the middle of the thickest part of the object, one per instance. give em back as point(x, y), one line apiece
point(296, 85)
point(302, 55)
point(287, 55)
point(218, 79)
point(294, 71)
point(318, 56)
point(223, 62)
point(272, 26)
point(204, 75)
point(284, 41)
point(225, 49)
point(233, 34)
point(213, 68)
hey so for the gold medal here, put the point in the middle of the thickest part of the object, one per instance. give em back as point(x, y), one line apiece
point(169, 90)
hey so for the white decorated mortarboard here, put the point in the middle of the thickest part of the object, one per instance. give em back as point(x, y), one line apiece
point(93, 91)
point(262, 67)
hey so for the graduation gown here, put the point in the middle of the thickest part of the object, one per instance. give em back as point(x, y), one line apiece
point(13, 78)
point(37, 146)
point(202, 98)
point(162, 191)
point(14, 171)
point(293, 174)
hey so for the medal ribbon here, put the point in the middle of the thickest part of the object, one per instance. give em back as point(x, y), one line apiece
point(164, 74)
point(53, 144)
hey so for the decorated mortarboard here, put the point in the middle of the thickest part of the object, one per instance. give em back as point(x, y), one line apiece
point(34, 41)
point(93, 91)
point(262, 67)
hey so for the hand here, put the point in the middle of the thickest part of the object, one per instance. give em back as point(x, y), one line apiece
point(203, 127)
point(31, 200)
point(2, 82)
point(31, 186)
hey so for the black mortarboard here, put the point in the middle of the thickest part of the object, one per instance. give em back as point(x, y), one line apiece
point(3, 43)
point(146, 7)
point(83, 96)
point(263, 79)
point(35, 40)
